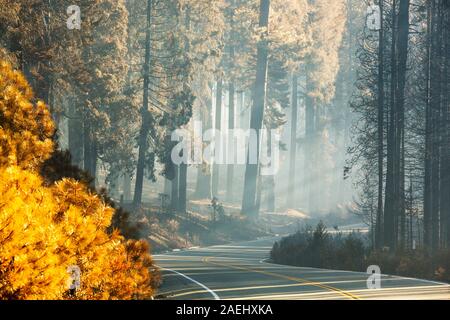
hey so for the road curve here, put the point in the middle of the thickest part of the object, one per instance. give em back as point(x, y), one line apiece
point(238, 271)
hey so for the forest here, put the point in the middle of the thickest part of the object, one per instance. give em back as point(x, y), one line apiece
point(136, 126)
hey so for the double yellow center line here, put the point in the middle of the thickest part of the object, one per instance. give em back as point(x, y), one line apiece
point(281, 276)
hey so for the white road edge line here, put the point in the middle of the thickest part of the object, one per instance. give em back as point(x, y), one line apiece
point(216, 297)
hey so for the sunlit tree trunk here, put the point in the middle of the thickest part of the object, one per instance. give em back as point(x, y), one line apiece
point(257, 113)
point(292, 187)
point(182, 184)
point(146, 117)
point(174, 198)
point(203, 185)
point(218, 120)
point(270, 179)
point(231, 116)
point(243, 123)
point(310, 115)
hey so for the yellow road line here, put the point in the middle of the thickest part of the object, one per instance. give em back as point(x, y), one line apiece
point(280, 276)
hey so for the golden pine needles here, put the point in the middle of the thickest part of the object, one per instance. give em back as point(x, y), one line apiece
point(45, 230)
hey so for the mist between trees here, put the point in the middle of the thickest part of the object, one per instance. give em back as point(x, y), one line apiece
point(362, 114)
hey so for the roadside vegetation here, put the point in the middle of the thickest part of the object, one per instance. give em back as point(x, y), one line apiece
point(317, 248)
point(56, 235)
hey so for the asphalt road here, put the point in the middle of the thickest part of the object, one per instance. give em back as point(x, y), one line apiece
point(238, 271)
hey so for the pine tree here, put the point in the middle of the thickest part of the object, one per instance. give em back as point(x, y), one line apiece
point(45, 230)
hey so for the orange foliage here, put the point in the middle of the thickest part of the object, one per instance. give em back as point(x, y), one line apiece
point(44, 230)
point(26, 128)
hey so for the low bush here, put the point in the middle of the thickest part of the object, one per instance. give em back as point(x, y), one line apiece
point(319, 249)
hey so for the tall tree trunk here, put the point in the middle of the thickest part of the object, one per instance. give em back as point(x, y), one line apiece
point(146, 117)
point(390, 233)
point(76, 140)
point(435, 200)
point(310, 115)
point(203, 186)
point(244, 121)
point(379, 217)
point(114, 187)
point(270, 184)
point(89, 152)
point(174, 194)
point(15, 47)
point(446, 204)
point(182, 188)
point(435, 109)
point(444, 123)
point(319, 176)
point(403, 41)
point(428, 194)
point(257, 113)
point(292, 187)
point(218, 120)
point(182, 183)
point(231, 116)
point(126, 187)
point(167, 186)
point(411, 215)
point(259, 190)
